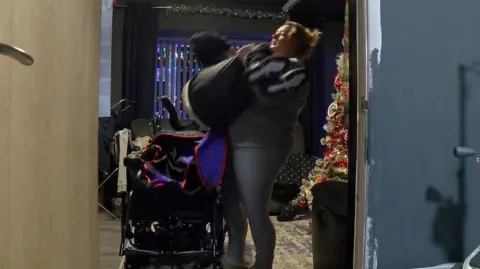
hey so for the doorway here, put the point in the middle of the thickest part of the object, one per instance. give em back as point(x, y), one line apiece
point(142, 94)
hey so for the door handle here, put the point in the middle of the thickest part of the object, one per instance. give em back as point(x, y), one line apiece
point(16, 53)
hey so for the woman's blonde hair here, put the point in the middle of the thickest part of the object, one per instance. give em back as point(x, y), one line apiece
point(304, 39)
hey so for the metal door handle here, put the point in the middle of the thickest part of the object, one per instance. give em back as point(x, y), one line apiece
point(16, 53)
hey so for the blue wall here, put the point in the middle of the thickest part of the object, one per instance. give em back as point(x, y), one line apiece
point(414, 200)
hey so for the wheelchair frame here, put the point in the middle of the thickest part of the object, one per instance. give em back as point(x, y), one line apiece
point(208, 255)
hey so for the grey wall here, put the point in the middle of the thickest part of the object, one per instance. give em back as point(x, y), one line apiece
point(413, 126)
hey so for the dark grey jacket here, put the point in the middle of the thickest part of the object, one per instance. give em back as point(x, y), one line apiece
point(280, 93)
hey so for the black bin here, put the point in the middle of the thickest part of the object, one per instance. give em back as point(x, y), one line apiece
point(329, 225)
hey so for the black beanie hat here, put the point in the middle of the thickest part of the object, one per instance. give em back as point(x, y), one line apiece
point(209, 47)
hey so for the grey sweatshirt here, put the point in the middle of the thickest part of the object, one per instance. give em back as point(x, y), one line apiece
point(280, 93)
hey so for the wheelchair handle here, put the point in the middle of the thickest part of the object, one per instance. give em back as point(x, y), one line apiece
point(16, 53)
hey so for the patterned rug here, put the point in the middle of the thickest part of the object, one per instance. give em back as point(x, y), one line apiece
point(294, 245)
point(293, 250)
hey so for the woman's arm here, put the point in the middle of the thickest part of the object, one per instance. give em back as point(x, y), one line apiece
point(281, 87)
point(276, 80)
point(256, 54)
point(278, 75)
point(273, 75)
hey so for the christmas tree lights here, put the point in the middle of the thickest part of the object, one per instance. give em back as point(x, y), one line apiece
point(334, 164)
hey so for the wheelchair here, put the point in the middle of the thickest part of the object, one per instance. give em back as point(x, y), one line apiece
point(170, 217)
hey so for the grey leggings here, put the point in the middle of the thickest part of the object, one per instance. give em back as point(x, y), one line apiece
point(246, 191)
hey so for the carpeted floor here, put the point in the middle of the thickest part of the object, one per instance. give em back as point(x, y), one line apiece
point(293, 244)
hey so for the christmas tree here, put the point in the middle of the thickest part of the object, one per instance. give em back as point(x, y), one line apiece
point(334, 164)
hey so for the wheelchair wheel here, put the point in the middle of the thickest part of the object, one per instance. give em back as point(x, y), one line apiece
point(135, 263)
point(214, 265)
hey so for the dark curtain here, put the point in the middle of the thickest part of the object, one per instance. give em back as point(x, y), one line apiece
point(320, 65)
point(313, 115)
point(136, 44)
point(139, 52)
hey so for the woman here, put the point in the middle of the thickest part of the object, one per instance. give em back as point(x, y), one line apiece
point(261, 138)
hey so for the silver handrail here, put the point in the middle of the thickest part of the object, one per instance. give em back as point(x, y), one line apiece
point(16, 53)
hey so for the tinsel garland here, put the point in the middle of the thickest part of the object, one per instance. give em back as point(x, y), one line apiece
point(222, 11)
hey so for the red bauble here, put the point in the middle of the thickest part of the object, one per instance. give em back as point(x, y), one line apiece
point(321, 179)
point(341, 163)
point(337, 82)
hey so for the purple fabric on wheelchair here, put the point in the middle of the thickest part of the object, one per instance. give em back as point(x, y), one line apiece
point(210, 156)
point(208, 152)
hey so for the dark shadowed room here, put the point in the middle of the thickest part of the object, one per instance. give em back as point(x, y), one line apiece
point(152, 59)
